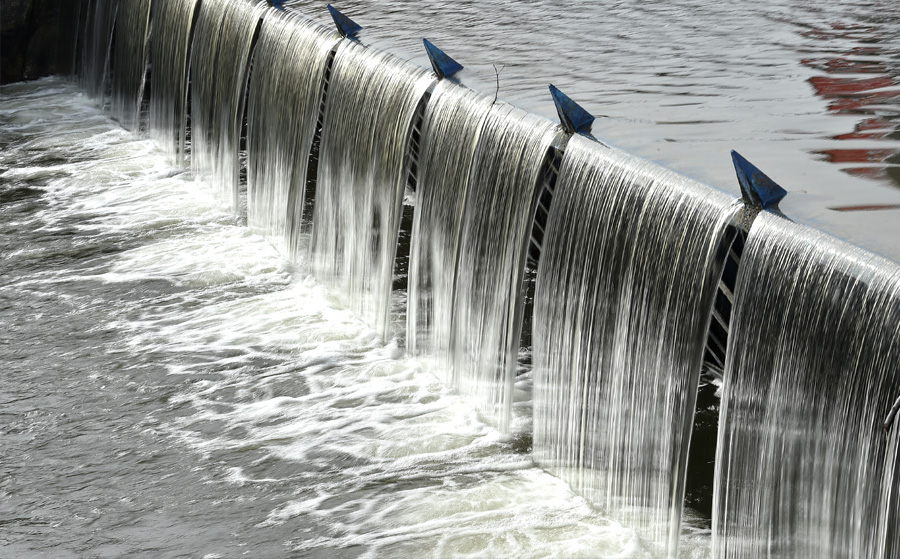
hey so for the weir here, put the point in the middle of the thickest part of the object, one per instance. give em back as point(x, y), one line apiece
point(803, 457)
point(174, 28)
point(286, 92)
point(451, 127)
point(219, 63)
point(372, 97)
point(626, 279)
point(93, 68)
point(654, 294)
point(130, 61)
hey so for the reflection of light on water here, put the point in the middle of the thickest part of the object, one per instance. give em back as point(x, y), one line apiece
point(860, 83)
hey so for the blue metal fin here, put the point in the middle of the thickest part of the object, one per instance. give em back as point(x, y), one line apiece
point(346, 26)
point(441, 63)
point(757, 188)
point(572, 116)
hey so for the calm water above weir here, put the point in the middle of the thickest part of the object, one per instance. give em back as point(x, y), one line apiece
point(173, 388)
point(809, 92)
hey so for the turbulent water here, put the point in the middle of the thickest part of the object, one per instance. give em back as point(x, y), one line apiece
point(173, 387)
point(807, 469)
point(628, 270)
point(289, 65)
point(362, 175)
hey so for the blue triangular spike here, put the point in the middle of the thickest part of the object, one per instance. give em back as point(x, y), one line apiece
point(346, 26)
point(443, 65)
point(757, 188)
point(572, 116)
point(279, 4)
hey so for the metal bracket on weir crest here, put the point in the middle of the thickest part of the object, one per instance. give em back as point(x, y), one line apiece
point(441, 63)
point(757, 189)
point(346, 26)
point(277, 4)
point(572, 116)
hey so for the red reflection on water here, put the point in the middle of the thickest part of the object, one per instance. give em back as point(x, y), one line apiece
point(857, 87)
point(870, 128)
point(859, 82)
point(857, 155)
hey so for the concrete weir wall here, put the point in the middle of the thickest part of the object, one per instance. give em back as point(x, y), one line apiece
point(37, 38)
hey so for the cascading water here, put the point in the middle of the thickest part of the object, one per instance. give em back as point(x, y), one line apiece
point(100, 16)
point(362, 174)
point(171, 390)
point(804, 470)
point(283, 103)
point(130, 61)
point(173, 25)
point(888, 533)
point(630, 262)
point(451, 127)
point(219, 62)
point(494, 233)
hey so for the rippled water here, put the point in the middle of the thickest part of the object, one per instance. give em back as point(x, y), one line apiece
point(809, 92)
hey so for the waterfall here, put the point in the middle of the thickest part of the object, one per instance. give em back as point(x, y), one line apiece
point(283, 104)
point(173, 23)
point(100, 16)
point(219, 62)
point(804, 469)
point(363, 168)
point(888, 533)
point(450, 130)
point(630, 262)
point(130, 61)
point(496, 224)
